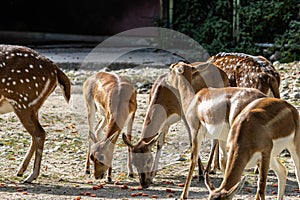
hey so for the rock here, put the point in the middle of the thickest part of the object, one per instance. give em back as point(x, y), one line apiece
point(285, 94)
point(285, 84)
point(297, 95)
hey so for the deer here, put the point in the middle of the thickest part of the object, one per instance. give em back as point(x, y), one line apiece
point(164, 110)
point(210, 112)
point(244, 70)
point(114, 97)
point(258, 134)
point(27, 79)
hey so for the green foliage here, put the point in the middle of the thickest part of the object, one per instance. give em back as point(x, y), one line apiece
point(209, 34)
point(260, 21)
point(289, 42)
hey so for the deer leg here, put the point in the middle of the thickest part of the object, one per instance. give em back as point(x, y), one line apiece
point(214, 154)
point(160, 143)
point(39, 140)
point(27, 158)
point(212, 157)
point(223, 153)
point(197, 140)
point(109, 180)
point(32, 125)
point(216, 164)
point(200, 170)
point(129, 157)
point(295, 154)
point(88, 163)
point(188, 129)
point(281, 174)
point(263, 174)
point(91, 120)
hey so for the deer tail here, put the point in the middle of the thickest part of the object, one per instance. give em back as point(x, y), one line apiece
point(65, 84)
point(274, 86)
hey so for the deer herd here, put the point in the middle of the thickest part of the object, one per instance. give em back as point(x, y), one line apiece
point(232, 98)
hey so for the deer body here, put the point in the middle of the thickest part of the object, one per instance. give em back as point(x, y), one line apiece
point(245, 70)
point(210, 112)
point(26, 80)
point(115, 98)
point(163, 111)
point(259, 133)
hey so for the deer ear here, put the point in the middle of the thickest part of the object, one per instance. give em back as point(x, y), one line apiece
point(93, 137)
point(110, 142)
point(154, 140)
point(172, 65)
point(113, 137)
point(208, 183)
point(126, 141)
point(236, 188)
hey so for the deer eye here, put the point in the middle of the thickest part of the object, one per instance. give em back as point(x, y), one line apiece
point(101, 158)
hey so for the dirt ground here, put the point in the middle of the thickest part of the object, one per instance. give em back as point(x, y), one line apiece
point(62, 173)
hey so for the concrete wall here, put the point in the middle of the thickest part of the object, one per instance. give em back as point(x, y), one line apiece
point(92, 17)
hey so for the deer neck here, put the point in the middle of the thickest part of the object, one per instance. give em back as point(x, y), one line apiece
point(186, 93)
point(156, 116)
point(235, 168)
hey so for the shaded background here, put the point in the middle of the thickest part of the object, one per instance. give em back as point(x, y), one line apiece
point(93, 17)
point(268, 28)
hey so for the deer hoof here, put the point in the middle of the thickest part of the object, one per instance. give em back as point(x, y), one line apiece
point(109, 180)
point(201, 179)
point(212, 172)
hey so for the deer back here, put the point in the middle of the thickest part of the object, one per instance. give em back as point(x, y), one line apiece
point(245, 70)
point(28, 78)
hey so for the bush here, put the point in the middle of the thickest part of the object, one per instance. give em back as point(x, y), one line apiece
point(289, 43)
point(261, 21)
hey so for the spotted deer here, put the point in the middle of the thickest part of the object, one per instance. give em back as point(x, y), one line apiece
point(115, 99)
point(210, 112)
point(244, 70)
point(26, 80)
point(258, 134)
point(164, 110)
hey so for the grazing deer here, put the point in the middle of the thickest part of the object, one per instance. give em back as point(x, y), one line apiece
point(26, 80)
point(245, 70)
point(258, 134)
point(115, 98)
point(163, 111)
point(210, 111)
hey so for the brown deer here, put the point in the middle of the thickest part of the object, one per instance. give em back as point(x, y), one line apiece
point(245, 70)
point(211, 111)
point(115, 98)
point(258, 134)
point(164, 110)
point(26, 80)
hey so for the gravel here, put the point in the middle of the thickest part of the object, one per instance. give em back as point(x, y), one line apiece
point(62, 171)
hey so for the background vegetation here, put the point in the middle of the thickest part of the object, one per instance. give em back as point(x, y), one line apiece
point(266, 27)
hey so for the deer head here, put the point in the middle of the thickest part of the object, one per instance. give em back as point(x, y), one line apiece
point(142, 159)
point(217, 194)
point(102, 154)
point(180, 68)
